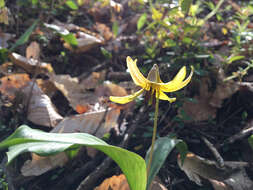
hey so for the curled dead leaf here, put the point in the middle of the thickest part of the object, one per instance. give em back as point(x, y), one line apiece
point(97, 123)
point(73, 91)
point(30, 65)
point(85, 42)
point(41, 110)
point(230, 177)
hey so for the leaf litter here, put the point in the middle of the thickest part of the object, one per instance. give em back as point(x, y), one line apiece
point(87, 97)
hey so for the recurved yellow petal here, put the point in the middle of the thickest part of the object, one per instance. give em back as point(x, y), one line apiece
point(135, 73)
point(177, 83)
point(163, 96)
point(126, 99)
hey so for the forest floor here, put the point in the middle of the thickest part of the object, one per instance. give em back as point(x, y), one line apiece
point(61, 60)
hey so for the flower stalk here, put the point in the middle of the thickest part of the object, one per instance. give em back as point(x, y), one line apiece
point(153, 136)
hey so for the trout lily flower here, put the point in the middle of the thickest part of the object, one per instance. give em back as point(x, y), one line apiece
point(153, 83)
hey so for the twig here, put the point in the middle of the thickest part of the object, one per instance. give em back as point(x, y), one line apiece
point(247, 131)
point(90, 180)
point(216, 154)
point(73, 178)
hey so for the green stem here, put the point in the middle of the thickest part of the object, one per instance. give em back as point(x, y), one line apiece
point(154, 136)
point(214, 11)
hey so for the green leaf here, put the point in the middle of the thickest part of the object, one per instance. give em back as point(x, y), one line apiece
point(163, 147)
point(115, 28)
point(34, 2)
point(3, 55)
point(72, 5)
point(185, 6)
point(24, 38)
point(25, 139)
point(70, 39)
point(142, 20)
point(106, 53)
point(235, 58)
point(2, 3)
point(250, 140)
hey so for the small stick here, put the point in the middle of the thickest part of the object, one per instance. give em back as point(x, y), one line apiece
point(215, 152)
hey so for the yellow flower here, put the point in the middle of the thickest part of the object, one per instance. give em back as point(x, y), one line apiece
point(153, 83)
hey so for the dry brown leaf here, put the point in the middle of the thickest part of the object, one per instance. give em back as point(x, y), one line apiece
point(47, 87)
point(4, 37)
point(78, 93)
point(30, 65)
point(223, 90)
point(6, 68)
point(93, 80)
point(41, 110)
point(96, 123)
point(200, 110)
point(104, 31)
point(120, 183)
point(73, 91)
point(12, 84)
point(100, 13)
point(208, 102)
point(85, 42)
point(110, 89)
point(39, 165)
point(82, 109)
point(33, 51)
point(230, 177)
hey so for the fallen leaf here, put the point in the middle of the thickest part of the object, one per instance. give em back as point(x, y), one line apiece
point(201, 109)
point(96, 123)
point(82, 109)
point(12, 84)
point(33, 51)
point(85, 42)
point(39, 165)
point(104, 31)
point(47, 87)
point(100, 12)
point(73, 91)
point(223, 90)
point(30, 65)
point(120, 183)
point(207, 102)
point(4, 37)
point(79, 94)
point(41, 110)
point(230, 177)
point(93, 80)
point(110, 89)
